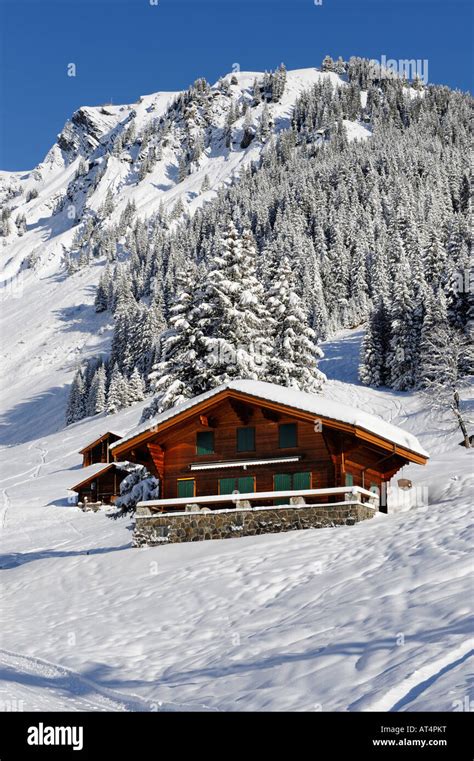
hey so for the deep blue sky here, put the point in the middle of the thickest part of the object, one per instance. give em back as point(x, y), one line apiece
point(125, 48)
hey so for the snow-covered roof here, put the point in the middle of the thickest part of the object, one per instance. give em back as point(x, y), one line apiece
point(316, 404)
point(85, 474)
point(103, 436)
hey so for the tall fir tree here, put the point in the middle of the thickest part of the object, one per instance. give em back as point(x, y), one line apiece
point(373, 369)
point(136, 387)
point(117, 395)
point(234, 322)
point(294, 353)
point(76, 406)
point(174, 378)
point(403, 349)
point(96, 399)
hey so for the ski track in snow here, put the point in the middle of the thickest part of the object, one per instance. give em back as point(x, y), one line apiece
point(63, 686)
point(410, 688)
point(4, 508)
point(43, 453)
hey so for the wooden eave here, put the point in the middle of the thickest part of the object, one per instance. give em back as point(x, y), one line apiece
point(206, 404)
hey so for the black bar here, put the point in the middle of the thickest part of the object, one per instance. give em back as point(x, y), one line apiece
point(323, 735)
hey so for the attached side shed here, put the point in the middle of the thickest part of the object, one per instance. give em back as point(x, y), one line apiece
point(101, 483)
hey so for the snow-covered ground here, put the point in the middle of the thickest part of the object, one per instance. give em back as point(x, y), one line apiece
point(376, 616)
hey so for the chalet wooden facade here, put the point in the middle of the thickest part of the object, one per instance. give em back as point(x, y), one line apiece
point(99, 449)
point(251, 437)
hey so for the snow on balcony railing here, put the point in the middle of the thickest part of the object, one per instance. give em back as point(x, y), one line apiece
point(351, 495)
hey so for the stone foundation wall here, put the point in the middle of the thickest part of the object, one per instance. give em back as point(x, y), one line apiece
point(170, 528)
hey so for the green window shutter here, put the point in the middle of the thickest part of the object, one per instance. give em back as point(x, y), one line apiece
point(205, 442)
point(281, 482)
point(349, 479)
point(245, 439)
point(287, 435)
point(185, 487)
point(227, 485)
point(245, 484)
point(302, 481)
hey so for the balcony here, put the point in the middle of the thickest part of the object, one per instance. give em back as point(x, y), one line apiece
point(349, 495)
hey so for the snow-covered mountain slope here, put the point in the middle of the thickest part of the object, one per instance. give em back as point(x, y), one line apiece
point(48, 323)
point(371, 617)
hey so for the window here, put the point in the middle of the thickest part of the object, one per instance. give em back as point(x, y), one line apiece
point(288, 482)
point(186, 487)
point(245, 439)
point(349, 480)
point(243, 485)
point(205, 442)
point(374, 488)
point(287, 435)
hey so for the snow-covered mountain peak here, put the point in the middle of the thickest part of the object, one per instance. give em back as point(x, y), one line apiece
point(137, 151)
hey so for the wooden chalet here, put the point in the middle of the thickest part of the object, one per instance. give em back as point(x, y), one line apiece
point(256, 440)
point(100, 482)
point(98, 450)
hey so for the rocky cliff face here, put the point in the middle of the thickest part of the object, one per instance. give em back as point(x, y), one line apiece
point(83, 133)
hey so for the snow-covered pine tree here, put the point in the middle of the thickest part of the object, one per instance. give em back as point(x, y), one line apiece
point(265, 123)
point(76, 406)
point(102, 295)
point(358, 280)
point(327, 64)
point(175, 377)
point(96, 397)
point(279, 82)
point(439, 362)
point(404, 331)
point(151, 326)
point(435, 259)
point(435, 342)
point(123, 295)
point(373, 367)
point(117, 395)
point(206, 185)
point(294, 353)
point(108, 205)
point(234, 322)
point(136, 387)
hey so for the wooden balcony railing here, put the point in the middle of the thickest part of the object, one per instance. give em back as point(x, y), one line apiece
point(349, 494)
